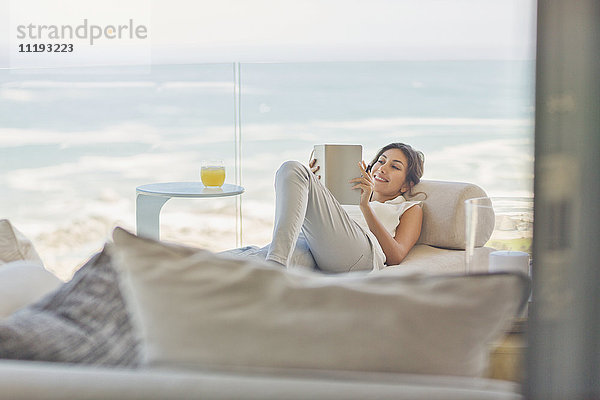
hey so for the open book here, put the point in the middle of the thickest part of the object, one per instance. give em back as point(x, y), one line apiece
point(338, 164)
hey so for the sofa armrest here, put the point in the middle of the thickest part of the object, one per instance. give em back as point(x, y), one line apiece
point(444, 213)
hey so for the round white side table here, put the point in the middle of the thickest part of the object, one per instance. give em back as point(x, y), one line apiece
point(151, 197)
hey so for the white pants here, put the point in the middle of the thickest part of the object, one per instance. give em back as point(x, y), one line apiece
point(303, 204)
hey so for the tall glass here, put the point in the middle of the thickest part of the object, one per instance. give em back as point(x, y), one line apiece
point(500, 223)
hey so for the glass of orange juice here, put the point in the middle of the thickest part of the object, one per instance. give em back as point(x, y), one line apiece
point(212, 173)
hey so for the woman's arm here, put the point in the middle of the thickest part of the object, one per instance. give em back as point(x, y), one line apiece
point(408, 229)
point(407, 233)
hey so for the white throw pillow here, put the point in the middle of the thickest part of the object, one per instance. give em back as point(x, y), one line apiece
point(193, 308)
point(22, 283)
point(14, 245)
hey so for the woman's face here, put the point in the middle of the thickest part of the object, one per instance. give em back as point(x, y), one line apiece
point(389, 173)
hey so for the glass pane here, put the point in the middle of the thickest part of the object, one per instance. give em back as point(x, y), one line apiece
point(75, 143)
point(472, 119)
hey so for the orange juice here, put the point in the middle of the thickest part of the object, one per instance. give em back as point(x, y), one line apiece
point(212, 175)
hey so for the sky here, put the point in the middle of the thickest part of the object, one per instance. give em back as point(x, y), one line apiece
point(184, 31)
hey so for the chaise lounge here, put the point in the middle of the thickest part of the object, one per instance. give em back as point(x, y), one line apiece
point(441, 246)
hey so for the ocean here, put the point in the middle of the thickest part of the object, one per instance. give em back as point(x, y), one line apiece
point(75, 143)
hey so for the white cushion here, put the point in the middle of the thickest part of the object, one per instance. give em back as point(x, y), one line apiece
point(197, 309)
point(14, 245)
point(60, 381)
point(22, 283)
point(444, 214)
point(436, 260)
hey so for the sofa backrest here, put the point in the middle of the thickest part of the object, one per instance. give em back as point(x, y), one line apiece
point(444, 214)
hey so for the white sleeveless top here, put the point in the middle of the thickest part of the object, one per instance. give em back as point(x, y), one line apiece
point(389, 214)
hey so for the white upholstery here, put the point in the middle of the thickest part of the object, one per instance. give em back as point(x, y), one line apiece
point(23, 278)
point(22, 283)
point(435, 260)
point(26, 380)
point(444, 213)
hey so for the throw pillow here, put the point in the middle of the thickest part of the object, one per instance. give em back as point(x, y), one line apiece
point(197, 309)
point(84, 321)
point(22, 283)
point(14, 245)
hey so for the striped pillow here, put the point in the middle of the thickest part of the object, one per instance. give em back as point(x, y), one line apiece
point(83, 321)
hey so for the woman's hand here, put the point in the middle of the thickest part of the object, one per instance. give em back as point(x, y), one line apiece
point(364, 183)
point(313, 168)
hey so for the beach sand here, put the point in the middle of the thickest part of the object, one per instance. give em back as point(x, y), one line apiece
point(67, 247)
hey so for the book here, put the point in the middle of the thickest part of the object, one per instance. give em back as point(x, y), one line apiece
point(338, 164)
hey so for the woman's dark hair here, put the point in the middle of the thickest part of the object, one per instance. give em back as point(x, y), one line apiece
point(414, 169)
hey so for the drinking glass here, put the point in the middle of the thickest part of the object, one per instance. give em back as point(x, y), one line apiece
point(500, 223)
point(212, 173)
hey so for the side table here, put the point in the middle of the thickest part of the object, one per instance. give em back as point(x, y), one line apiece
point(151, 197)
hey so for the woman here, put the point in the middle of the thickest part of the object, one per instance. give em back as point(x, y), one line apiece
point(381, 230)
